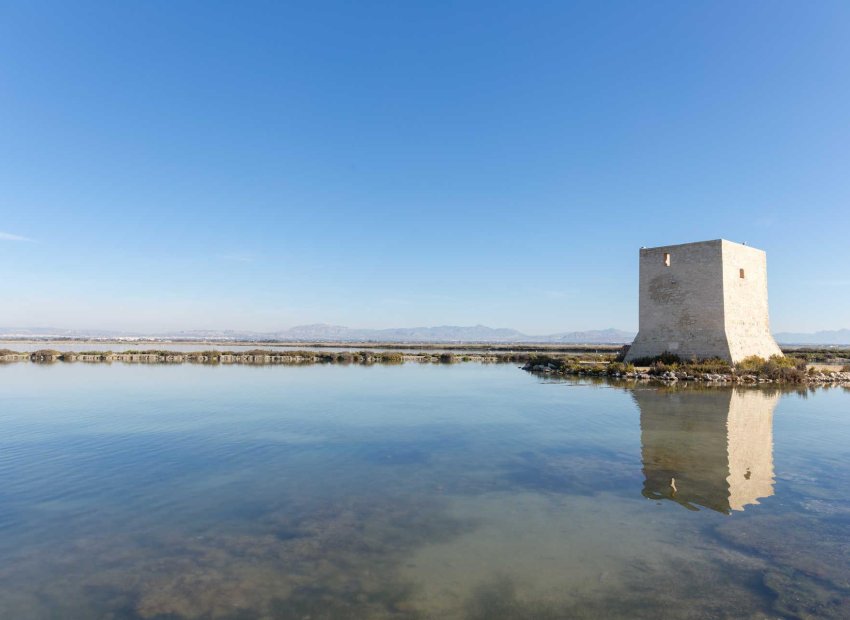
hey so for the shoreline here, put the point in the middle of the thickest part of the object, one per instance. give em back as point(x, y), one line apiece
point(597, 365)
point(813, 375)
point(254, 357)
point(838, 378)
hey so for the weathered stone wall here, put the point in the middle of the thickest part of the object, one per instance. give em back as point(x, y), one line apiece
point(745, 302)
point(694, 303)
point(681, 304)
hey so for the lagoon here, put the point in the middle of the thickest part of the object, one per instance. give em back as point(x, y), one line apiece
point(448, 491)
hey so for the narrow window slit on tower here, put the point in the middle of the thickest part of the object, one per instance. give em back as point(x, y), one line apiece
point(741, 273)
point(667, 260)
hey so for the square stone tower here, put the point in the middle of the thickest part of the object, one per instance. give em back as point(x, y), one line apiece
point(705, 299)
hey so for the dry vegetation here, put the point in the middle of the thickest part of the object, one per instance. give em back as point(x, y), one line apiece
point(787, 369)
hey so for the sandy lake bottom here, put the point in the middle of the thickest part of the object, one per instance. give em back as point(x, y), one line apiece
point(460, 491)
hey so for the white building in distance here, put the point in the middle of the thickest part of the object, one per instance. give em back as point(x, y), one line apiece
point(703, 300)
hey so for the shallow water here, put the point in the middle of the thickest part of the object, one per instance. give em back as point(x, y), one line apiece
point(461, 491)
point(24, 346)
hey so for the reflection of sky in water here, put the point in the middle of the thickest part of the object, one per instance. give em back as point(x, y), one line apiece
point(413, 491)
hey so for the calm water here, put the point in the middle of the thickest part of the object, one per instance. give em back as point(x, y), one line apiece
point(415, 491)
point(24, 346)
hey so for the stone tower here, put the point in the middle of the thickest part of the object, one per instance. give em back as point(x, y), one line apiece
point(705, 299)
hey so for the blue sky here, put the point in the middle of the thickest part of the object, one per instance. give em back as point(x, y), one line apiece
point(258, 165)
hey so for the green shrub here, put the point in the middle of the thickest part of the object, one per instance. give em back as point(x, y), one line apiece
point(45, 353)
point(778, 368)
point(666, 358)
point(786, 361)
point(670, 358)
point(542, 360)
point(619, 368)
point(777, 371)
point(666, 362)
point(752, 364)
point(714, 366)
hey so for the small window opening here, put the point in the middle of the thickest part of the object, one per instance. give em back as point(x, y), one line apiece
point(741, 273)
point(667, 260)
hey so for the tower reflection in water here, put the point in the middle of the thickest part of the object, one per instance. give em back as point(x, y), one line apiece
point(711, 448)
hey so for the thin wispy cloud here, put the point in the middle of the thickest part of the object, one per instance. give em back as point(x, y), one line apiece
point(4, 236)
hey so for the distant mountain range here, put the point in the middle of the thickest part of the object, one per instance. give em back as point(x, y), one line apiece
point(835, 336)
point(444, 333)
point(322, 332)
point(337, 333)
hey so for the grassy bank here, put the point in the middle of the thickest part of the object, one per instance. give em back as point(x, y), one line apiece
point(788, 369)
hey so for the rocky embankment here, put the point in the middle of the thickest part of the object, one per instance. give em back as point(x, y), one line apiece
point(616, 371)
point(669, 377)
